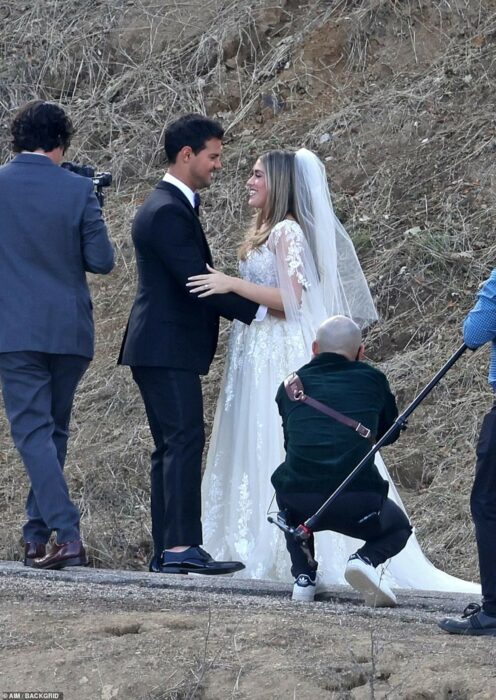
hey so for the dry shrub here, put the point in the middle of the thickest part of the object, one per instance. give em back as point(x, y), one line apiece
point(397, 99)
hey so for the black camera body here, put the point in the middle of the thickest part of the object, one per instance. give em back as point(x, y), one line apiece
point(100, 180)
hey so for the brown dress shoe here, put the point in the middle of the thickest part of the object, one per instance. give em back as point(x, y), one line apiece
point(32, 551)
point(60, 555)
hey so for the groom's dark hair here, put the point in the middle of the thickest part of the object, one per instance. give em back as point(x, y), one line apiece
point(192, 130)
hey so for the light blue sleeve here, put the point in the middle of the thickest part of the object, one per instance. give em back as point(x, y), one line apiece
point(479, 326)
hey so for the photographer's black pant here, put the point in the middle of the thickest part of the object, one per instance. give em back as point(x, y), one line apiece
point(483, 507)
point(385, 532)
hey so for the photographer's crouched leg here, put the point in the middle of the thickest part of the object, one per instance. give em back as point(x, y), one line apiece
point(363, 515)
point(306, 581)
point(386, 532)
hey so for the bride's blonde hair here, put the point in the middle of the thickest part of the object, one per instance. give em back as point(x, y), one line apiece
point(279, 173)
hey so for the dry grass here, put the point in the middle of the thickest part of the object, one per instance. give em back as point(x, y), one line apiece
point(403, 91)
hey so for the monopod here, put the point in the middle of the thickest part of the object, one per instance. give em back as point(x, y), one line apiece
point(303, 532)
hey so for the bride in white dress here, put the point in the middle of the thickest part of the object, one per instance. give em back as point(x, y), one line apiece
point(299, 262)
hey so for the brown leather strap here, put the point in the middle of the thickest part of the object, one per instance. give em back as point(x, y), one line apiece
point(296, 392)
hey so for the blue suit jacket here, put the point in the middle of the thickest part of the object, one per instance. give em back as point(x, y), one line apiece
point(51, 233)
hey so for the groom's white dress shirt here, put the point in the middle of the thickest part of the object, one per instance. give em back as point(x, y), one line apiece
point(190, 196)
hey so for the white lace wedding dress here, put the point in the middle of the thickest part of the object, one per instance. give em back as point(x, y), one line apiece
point(246, 444)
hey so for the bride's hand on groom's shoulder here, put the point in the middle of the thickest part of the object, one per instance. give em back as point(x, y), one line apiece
point(213, 282)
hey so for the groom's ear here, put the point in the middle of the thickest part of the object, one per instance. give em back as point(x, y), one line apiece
point(315, 348)
point(185, 153)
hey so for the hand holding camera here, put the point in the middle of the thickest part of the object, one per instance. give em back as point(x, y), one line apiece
point(100, 180)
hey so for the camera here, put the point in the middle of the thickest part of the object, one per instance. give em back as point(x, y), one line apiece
point(100, 180)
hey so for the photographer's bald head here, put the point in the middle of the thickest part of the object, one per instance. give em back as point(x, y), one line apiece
point(341, 335)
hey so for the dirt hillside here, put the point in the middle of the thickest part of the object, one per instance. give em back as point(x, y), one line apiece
point(397, 98)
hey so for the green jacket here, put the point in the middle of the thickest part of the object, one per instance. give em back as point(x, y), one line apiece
point(320, 451)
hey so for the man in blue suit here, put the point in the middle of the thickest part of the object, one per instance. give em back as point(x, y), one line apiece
point(51, 233)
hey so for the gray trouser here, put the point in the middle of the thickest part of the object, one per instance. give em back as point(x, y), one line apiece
point(38, 391)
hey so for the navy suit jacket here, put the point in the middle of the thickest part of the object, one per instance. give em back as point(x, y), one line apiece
point(51, 233)
point(168, 326)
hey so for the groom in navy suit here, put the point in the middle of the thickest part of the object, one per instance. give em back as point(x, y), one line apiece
point(51, 233)
point(171, 339)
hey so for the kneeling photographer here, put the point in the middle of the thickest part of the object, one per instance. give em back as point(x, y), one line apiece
point(321, 451)
point(52, 233)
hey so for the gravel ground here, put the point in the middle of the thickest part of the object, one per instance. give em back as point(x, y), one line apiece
point(99, 634)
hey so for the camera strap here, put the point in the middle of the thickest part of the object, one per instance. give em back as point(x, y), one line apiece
point(296, 392)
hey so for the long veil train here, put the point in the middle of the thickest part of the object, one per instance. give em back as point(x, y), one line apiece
point(408, 569)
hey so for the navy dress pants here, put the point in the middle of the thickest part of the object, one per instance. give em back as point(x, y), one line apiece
point(483, 507)
point(363, 515)
point(174, 407)
point(38, 391)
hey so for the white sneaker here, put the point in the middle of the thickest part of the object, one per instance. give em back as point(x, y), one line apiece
point(305, 590)
point(363, 577)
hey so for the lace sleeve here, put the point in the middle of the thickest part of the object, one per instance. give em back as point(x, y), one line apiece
point(296, 273)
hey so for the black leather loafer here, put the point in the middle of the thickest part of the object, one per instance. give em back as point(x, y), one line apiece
point(196, 560)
